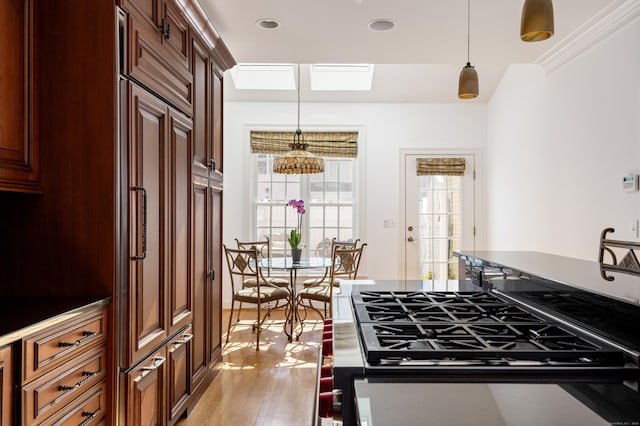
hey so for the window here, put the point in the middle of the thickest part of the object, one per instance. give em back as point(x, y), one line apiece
point(329, 199)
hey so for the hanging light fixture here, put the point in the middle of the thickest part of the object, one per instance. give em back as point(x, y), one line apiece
point(468, 81)
point(298, 160)
point(537, 20)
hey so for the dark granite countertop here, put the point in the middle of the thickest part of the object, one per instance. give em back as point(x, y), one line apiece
point(21, 316)
point(574, 272)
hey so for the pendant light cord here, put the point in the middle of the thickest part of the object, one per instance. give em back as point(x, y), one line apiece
point(468, 27)
point(298, 96)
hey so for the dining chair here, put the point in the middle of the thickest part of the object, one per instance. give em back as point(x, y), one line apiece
point(243, 264)
point(334, 244)
point(264, 252)
point(344, 265)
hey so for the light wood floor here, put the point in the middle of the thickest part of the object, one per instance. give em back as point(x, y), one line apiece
point(271, 387)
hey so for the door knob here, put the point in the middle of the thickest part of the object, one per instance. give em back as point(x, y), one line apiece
point(410, 239)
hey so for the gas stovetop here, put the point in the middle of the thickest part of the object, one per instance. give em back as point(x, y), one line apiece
point(470, 328)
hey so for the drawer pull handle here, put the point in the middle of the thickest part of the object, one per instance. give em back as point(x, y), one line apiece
point(185, 339)
point(87, 335)
point(64, 388)
point(89, 415)
point(88, 375)
point(158, 361)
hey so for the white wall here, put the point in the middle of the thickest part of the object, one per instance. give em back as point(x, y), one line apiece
point(558, 147)
point(384, 130)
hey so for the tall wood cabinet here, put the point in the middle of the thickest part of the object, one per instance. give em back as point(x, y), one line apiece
point(122, 99)
point(174, 211)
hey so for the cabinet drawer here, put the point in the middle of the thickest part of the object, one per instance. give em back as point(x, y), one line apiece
point(46, 350)
point(88, 409)
point(48, 394)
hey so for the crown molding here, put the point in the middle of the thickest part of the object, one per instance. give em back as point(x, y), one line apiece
point(608, 21)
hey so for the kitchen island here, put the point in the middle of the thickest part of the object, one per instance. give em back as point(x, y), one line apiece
point(403, 352)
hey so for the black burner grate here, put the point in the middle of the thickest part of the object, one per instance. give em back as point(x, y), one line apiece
point(469, 327)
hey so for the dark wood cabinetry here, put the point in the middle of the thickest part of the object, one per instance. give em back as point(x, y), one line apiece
point(145, 391)
point(19, 157)
point(64, 367)
point(158, 389)
point(179, 375)
point(122, 137)
point(158, 48)
point(207, 272)
point(6, 386)
point(148, 289)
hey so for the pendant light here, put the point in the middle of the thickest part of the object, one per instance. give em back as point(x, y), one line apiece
point(468, 81)
point(298, 160)
point(537, 20)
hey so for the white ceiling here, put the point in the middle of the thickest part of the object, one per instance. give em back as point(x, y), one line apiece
point(418, 61)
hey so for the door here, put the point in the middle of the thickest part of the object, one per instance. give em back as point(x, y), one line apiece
point(439, 216)
point(147, 247)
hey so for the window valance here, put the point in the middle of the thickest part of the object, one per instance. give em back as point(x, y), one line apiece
point(322, 144)
point(440, 166)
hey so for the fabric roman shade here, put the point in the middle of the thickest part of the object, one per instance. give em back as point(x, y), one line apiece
point(440, 166)
point(322, 144)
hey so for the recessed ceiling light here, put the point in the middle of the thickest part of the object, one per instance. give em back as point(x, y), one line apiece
point(267, 24)
point(381, 25)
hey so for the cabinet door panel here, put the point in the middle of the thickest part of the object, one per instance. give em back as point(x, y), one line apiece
point(201, 264)
point(201, 145)
point(147, 63)
point(177, 41)
point(145, 392)
point(215, 292)
point(180, 137)
point(179, 389)
point(18, 149)
point(216, 119)
point(147, 10)
point(6, 386)
point(147, 291)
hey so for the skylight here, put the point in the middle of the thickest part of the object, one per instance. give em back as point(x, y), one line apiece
point(263, 77)
point(341, 76)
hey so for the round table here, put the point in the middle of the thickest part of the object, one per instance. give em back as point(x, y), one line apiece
point(286, 263)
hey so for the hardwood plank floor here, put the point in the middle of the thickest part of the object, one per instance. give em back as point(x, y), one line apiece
point(274, 386)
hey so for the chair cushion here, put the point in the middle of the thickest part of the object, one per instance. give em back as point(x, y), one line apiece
point(321, 292)
point(267, 294)
point(314, 281)
point(280, 282)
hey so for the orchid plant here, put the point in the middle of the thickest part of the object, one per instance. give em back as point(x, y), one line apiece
point(295, 236)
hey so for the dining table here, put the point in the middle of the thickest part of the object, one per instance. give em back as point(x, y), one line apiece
point(287, 264)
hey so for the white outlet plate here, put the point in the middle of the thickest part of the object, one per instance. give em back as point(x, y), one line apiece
point(634, 228)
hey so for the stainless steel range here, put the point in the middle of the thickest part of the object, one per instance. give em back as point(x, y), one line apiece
point(523, 329)
point(470, 329)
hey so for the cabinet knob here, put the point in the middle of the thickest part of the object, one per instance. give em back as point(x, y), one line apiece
point(211, 275)
point(212, 165)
